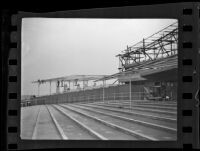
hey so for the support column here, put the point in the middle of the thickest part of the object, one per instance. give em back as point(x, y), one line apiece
point(83, 85)
point(38, 89)
point(103, 91)
point(50, 87)
point(130, 93)
point(58, 87)
point(144, 49)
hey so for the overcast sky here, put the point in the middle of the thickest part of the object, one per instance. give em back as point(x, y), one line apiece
point(53, 47)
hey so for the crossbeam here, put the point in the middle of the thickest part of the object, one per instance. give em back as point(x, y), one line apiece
point(159, 45)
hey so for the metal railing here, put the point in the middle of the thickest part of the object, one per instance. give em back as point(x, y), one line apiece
point(121, 98)
point(106, 98)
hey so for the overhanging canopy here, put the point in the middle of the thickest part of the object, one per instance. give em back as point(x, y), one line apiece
point(138, 71)
point(72, 78)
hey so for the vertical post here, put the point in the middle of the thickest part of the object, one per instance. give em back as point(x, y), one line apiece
point(58, 87)
point(114, 96)
point(35, 101)
point(130, 93)
point(117, 93)
point(84, 96)
point(50, 87)
point(144, 49)
point(38, 89)
point(128, 60)
point(103, 92)
point(139, 56)
point(154, 53)
point(139, 95)
point(119, 65)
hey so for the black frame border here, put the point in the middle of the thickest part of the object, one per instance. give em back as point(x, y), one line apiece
point(188, 17)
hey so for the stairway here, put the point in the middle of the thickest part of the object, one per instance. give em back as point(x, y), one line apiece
point(149, 96)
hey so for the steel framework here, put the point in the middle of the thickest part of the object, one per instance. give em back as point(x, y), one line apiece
point(61, 81)
point(159, 45)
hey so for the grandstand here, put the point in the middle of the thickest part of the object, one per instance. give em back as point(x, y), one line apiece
point(140, 105)
point(144, 69)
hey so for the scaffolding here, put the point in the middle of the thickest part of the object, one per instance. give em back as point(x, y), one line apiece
point(162, 44)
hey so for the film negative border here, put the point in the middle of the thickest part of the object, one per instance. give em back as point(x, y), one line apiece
point(13, 116)
point(188, 111)
point(190, 82)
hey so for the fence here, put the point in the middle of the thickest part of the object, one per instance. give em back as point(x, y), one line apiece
point(121, 98)
point(88, 98)
point(107, 94)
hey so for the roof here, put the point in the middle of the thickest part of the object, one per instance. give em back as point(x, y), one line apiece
point(71, 78)
point(137, 71)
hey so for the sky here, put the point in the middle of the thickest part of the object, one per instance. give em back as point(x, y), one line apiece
point(56, 47)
